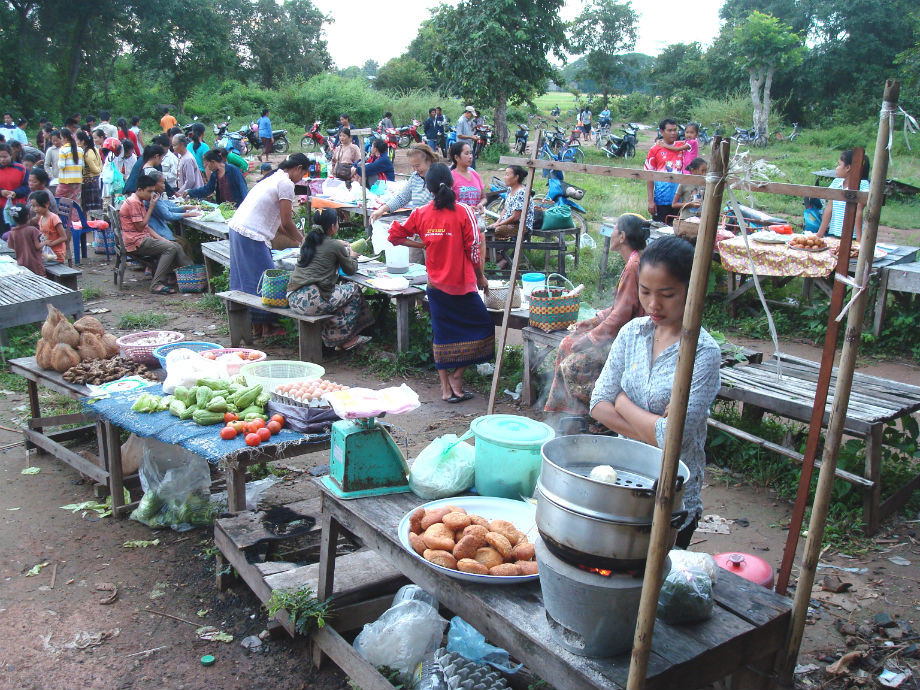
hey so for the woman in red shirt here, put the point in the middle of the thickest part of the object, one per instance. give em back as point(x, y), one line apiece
point(462, 328)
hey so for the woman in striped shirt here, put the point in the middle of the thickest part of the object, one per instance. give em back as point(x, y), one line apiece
point(70, 166)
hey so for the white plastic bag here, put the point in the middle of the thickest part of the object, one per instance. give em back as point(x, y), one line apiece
point(687, 560)
point(186, 372)
point(402, 636)
point(444, 468)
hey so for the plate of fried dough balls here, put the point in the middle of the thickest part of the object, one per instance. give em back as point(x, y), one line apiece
point(474, 538)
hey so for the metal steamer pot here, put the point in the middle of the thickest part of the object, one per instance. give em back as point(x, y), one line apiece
point(595, 523)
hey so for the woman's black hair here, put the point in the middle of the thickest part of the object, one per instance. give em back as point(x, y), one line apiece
point(674, 253)
point(847, 158)
point(41, 175)
point(323, 220)
point(127, 145)
point(42, 197)
point(151, 151)
point(453, 153)
point(440, 183)
point(100, 132)
point(380, 146)
point(520, 172)
point(265, 111)
point(345, 130)
point(87, 140)
point(197, 133)
point(636, 229)
point(20, 214)
point(67, 136)
point(293, 161)
point(214, 156)
point(122, 124)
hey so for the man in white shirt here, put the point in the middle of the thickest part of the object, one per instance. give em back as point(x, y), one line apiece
point(189, 177)
point(106, 126)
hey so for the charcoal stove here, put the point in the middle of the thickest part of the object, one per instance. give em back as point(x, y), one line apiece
point(590, 611)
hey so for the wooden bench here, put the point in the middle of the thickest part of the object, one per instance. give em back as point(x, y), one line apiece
point(24, 298)
point(63, 274)
point(552, 241)
point(215, 254)
point(309, 328)
point(873, 403)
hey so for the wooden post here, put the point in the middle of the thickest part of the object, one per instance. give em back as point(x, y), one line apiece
point(659, 544)
point(824, 377)
point(503, 333)
point(363, 183)
point(841, 395)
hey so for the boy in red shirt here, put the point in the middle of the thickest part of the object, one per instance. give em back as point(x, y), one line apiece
point(662, 159)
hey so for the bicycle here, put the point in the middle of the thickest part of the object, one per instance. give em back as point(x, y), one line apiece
point(791, 136)
point(566, 151)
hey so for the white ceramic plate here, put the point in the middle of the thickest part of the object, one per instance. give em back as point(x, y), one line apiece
point(522, 515)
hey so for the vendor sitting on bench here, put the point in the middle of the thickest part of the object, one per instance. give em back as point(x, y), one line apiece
point(143, 242)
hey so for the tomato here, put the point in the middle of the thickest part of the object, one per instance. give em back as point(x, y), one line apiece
point(253, 440)
point(264, 434)
point(257, 423)
point(239, 426)
point(277, 418)
point(230, 417)
point(228, 433)
point(274, 427)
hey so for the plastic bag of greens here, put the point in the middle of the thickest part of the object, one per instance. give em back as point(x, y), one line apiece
point(686, 596)
point(176, 486)
point(446, 467)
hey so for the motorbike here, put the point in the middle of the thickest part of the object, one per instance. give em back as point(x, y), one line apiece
point(409, 133)
point(447, 140)
point(483, 134)
point(187, 129)
point(220, 128)
point(621, 147)
point(280, 144)
point(745, 136)
point(520, 139)
point(314, 139)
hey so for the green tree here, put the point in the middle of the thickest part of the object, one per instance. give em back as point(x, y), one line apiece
point(495, 51)
point(370, 69)
point(603, 29)
point(798, 14)
point(678, 67)
point(402, 74)
point(763, 45)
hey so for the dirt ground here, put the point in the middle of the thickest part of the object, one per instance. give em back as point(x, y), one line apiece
point(48, 618)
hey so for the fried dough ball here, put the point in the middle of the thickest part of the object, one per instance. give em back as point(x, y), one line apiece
point(466, 547)
point(438, 536)
point(527, 567)
point(441, 558)
point(417, 543)
point(455, 509)
point(433, 515)
point(456, 520)
point(506, 529)
point(468, 565)
point(505, 569)
point(458, 535)
point(523, 552)
point(500, 543)
point(415, 521)
point(489, 557)
point(478, 520)
point(476, 529)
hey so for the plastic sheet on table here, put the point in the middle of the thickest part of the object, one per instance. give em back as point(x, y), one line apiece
point(202, 440)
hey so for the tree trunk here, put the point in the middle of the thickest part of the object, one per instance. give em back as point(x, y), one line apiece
point(76, 55)
point(501, 119)
point(763, 128)
point(757, 78)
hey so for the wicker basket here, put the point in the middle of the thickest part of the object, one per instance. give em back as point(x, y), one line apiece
point(684, 228)
point(233, 367)
point(273, 373)
point(273, 287)
point(161, 351)
point(192, 278)
point(143, 354)
point(495, 298)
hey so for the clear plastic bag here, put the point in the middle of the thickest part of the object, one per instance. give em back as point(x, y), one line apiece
point(414, 593)
point(254, 492)
point(176, 486)
point(695, 561)
point(464, 639)
point(446, 467)
point(402, 636)
point(686, 596)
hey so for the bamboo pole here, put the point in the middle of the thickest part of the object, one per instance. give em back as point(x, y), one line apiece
point(363, 183)
point(680, 392)
point(506, 314)
point(824, 377)
point(841, 395)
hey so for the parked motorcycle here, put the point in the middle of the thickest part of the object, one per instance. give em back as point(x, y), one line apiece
point(314, 139)
point(280, 144)
point(744, 136)
point(220, 128)
point(409, 133)
point(621, 147)
point(187, 129)
point(447, 140)
point(483, 134)
point(520, 139)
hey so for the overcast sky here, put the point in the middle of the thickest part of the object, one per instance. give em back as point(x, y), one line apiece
point(388, 28)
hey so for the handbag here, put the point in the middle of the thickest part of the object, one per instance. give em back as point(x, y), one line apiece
point(557, 218)
point(112, 177)
point(554, 308)
point(273, 287)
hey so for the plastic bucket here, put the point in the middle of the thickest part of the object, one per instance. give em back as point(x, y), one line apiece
point(397, 259)
point(508, 458)
point(531, 281)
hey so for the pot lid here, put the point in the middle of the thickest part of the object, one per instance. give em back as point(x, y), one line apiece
point(512, 430)
point(746, 565)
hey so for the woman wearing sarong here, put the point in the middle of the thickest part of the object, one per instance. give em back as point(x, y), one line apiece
point(462, 328)
point(582, 354)
point(315, 288)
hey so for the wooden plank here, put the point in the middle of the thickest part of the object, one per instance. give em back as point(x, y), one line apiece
point(67, 456)
point(649, 175)
point(255, 302)
point(896, 501)
point(28, 368)
point(344, 655)
point(248, 528)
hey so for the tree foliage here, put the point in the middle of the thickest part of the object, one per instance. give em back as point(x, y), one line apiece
point(403, 74)
point(602, 30)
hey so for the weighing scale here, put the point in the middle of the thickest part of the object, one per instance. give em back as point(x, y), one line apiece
point(365, 460)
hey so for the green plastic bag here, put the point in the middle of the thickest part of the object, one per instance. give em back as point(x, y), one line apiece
point(557, 218)
point(446, 467)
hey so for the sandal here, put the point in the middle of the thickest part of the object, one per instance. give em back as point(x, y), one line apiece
point(362, 340)
point(162, 290)
point(466, 395)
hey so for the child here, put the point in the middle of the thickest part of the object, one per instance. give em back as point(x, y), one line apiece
point(50, 225)
point(129, 158)
point(26, 241)
point(690, 146)
point(689, 198)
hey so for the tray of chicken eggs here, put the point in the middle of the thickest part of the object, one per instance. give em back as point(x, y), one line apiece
point(306, 393)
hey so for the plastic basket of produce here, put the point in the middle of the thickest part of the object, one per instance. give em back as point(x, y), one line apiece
point(193, 345)
point(140, 346)
point(238, 356)
point(310, 393)
point(271, 374)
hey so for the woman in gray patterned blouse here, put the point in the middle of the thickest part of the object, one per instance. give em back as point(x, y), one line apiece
point(632, 394)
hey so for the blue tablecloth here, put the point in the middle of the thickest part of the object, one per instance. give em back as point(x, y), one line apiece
point(202, 440)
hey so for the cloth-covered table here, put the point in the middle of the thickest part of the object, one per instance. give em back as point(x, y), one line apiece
point(775, 259)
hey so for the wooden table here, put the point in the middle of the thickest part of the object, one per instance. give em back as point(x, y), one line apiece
point(24, 298)
point(106, 471)
point(748, 625)
point(215, 254)
point(900, 277)
point(220, 230)
point(873, 403)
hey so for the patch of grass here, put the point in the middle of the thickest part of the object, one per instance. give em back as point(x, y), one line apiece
point(92, 293)
point(12, 382)
point(21, 341)
point(211, 303)
point(139, 321)
point(221, 281)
